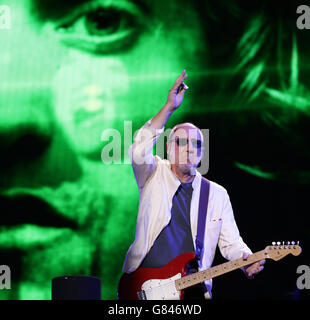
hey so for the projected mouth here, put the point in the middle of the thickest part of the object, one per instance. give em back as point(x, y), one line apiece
point(27, 220)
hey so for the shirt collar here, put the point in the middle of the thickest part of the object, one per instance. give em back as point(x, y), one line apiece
point(197, 179)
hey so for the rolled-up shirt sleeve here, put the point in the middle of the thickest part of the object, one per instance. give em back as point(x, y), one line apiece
point(141, 153)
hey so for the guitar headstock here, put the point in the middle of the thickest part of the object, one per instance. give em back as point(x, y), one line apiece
point(279, 250)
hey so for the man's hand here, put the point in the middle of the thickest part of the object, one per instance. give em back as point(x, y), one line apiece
point(254, 268)
point(174, 100)
point(176, 93)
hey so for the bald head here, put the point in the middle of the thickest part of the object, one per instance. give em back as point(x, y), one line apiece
point(187, 127)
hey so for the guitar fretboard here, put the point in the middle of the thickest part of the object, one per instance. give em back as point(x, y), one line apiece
point(223, 268)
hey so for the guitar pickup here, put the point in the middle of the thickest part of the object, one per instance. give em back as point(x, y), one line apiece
point(141, 295)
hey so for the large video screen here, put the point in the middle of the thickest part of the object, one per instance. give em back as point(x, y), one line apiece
point(79, 77)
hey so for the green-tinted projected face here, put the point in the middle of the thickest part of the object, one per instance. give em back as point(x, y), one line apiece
point(69, 71)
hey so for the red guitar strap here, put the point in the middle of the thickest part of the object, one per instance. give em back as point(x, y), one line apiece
point(202, 215)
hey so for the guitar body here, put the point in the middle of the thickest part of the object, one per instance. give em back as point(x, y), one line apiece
point(155, 283)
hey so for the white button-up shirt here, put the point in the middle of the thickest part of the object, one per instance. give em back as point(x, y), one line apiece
point(157, 186)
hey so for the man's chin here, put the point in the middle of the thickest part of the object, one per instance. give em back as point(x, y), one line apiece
point(187, 168)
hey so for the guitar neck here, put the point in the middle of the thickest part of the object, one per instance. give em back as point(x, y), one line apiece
point(198, 277)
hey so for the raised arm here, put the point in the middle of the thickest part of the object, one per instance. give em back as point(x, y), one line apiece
point(142, 159)
point(174, 100)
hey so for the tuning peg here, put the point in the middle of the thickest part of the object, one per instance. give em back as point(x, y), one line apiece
point(288, 243)
point(278, 243)
point(293, 242)
point(273, 243)
point(298, 243)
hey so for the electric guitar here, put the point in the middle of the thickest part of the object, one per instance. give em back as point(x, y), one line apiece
point(168, 282)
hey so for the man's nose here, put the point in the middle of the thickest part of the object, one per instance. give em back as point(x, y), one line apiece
point(25, 124)
point(189, 147)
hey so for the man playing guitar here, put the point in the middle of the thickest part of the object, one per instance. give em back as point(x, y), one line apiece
point(169, 198)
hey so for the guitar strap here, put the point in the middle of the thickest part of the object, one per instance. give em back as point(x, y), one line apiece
point(202, 215)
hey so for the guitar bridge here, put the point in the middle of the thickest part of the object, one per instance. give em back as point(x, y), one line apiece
point(141, 295)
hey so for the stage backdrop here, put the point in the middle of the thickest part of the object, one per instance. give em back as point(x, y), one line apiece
point(78, 78)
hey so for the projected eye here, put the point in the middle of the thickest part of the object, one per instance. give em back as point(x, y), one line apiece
point(103, 29)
